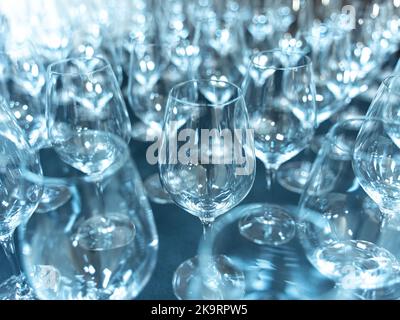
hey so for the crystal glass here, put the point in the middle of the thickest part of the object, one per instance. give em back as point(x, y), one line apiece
point(329, 48)
point(280, 95)
point(101, 243)
point(375, 155)
point(206, 159)
point(148, 88)
point(84, 106)
point(22, 81)
point(18, 198)
point(345, 234)
point(220, 43)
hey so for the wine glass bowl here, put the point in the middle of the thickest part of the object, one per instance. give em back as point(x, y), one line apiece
point(101, 243)
point(345, 234)
point(85, 110)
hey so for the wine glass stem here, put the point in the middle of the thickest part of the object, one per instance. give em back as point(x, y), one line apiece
point(207, 227)
point(9, 250)
point(270, 176)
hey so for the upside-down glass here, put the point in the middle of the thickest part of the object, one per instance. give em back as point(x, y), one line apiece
point(101, 243)
point(345, 235)
point(206, 160)
point(280, 96)
point(22, 79)
point(18, 198)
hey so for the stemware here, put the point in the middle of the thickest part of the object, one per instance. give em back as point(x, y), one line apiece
point(19, 199)
point(220, 42)
point(206, 161)
point(85, 111)
point(85, 106)
point(147, 93)
point(376, 149)
point(329, 48)
point(345, 234)
point(101, 243)
point(280, 95)
point(22, 81)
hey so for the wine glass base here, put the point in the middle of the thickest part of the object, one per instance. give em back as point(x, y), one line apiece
point(269, 225)
point(16, 288)
point(225, 281)
point(294, 176)
point(155, 192)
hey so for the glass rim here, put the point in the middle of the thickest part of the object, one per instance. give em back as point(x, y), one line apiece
point(331, 136)
point(388, 81)
point(239, 95)
point(113, 169)
point(308, 62)
point(104, 61)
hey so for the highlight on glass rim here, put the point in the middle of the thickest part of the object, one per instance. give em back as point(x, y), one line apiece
point(275, 123)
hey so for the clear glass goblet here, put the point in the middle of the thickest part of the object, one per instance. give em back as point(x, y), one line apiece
point(346, 235)
point(280, 96)
point(206, 161)
point(19, 199)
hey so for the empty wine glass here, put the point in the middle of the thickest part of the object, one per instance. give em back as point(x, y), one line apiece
point(330, 52)
point(345, 235)
point(377, 146)
point(148, 88)
point(19, 198)
point(280, 95)
point(85, 106)
point(96, 245)
point(22, 79)
point(85, 111)
point(220, 43)
point(206, 161)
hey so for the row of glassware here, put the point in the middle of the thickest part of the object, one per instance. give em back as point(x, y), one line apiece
point(75, 172)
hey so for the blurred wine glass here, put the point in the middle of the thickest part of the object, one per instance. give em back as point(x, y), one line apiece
point(346, 236)
point(22, 81)
point(280, 95)
point(85, 106)
point(19, 199)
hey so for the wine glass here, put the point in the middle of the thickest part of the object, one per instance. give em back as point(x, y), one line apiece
point(22, 81)
point(19, 198)
point(345, 234)
point(148, 88)
point(85, 106)
point(330, 52)
point(85, 111)
point(280, 95)
point(220, 42)
point(375, 155)
point(101, 243)
point(206, 161)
